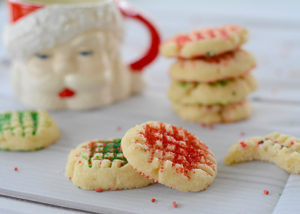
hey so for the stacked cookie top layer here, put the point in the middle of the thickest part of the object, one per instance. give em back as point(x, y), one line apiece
point(212, 71)
point(205, 42)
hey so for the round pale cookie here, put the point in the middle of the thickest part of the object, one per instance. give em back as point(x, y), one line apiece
point(100, 165)
point(228, 65)
point(283, 150)
point(170, 155)
point(213, 114)
point(205, 42)
point(223, 92)
point(27, 131)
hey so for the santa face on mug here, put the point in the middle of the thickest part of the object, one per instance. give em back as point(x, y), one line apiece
point(85, 72)
point(74, 61)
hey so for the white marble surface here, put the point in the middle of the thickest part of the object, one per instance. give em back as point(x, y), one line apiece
point(275, 41)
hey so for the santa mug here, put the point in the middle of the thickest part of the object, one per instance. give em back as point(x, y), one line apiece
point(66, 54)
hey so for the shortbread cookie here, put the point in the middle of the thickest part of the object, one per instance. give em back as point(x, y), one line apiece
point(27, 131)
point(205, 42)
point(277, 148)
point(101, 165)
point(213, 114)
point(229, 65)
point(223, 92)
point(170, 155)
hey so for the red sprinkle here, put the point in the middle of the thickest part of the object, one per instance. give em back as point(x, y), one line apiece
point(99, 190)
point(292, 143)
point(70, 178)
point(242, 133)
point(175, 204)
point(197, 151)
point(119, 128)
point(243, 144)
point(266, 192)
point(203, 125)
point(16, 169)
point(153, 200)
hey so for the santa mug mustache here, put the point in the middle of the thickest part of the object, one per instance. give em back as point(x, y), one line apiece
point(66, 55)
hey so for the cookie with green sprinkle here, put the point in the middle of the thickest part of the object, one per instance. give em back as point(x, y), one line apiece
point(100, 165)
point(27, 131)
point(222, 92)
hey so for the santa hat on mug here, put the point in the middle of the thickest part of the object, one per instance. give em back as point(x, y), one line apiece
point(44, 27)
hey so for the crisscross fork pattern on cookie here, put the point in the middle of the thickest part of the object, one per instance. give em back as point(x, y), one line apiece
point(183, 149)
point(19, 123)
point(103, 150)
point(205, 34)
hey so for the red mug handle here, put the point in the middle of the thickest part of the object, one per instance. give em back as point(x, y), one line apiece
point(152, 52)
point(21, 9)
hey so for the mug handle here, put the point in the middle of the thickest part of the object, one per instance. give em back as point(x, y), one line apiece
point(152, 52)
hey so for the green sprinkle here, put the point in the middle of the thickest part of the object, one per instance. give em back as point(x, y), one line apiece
point(35, 117)
point(4, 120)
point(221, 83)
point(183, 84)
point(210, 54)
point(21, 121)
point(110, 151)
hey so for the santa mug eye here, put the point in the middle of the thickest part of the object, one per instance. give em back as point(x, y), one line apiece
point(42, 56)
point(86, 53)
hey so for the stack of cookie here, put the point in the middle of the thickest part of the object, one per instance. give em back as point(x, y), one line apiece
point(211, 77)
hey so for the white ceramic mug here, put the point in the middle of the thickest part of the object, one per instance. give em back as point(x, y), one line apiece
point(66, 54)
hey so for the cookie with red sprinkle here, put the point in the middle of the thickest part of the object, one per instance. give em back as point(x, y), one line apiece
point(100, 165)
point(170, 155)
point(205, 42)
point(283, 150)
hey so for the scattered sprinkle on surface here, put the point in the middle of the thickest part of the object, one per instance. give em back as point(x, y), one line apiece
point(266, 192)
point(16, 169)
point(242, 133)
point(174, 204)
point(99, 190)
point(153, 200)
